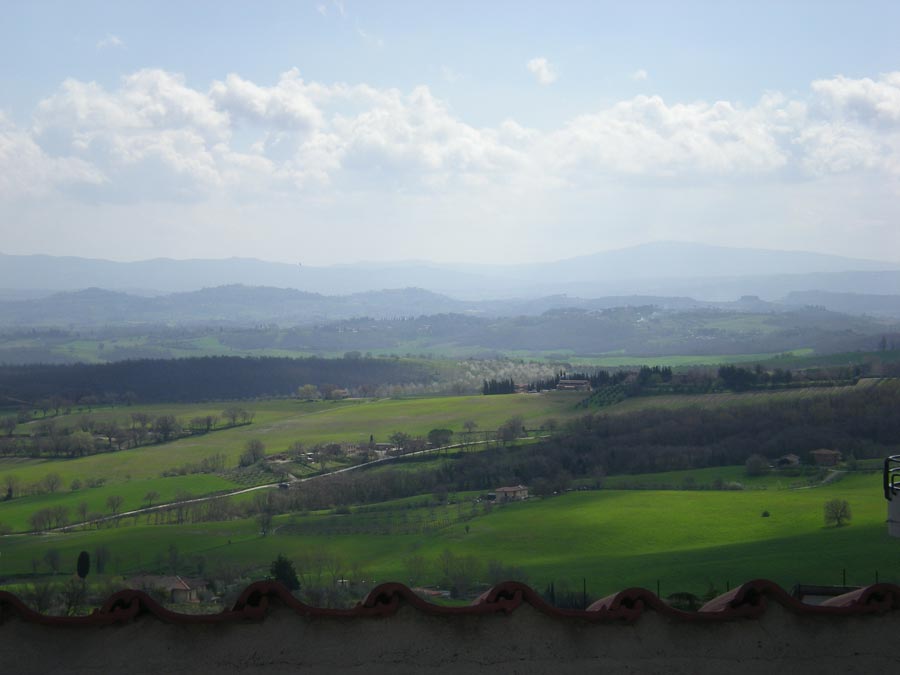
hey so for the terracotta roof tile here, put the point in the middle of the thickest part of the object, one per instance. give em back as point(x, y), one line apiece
point(750, 600)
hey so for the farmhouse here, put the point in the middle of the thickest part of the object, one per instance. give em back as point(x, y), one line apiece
point(825, 457)
point(175, 588)
point(511, 494)
point(574, 385)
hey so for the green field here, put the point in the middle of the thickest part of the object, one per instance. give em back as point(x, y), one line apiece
point(705, 479)
point(686, 540)
point(278, 423)
point(679, 361)
point(728, 399)
point(629, 533)
point(16, 513)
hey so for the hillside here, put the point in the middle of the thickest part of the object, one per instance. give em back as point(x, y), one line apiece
point(663, 268)
point(281, 322)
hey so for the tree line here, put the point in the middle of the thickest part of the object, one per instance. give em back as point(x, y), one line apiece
point(84, 435)
point(200, 379)
point(860, 423)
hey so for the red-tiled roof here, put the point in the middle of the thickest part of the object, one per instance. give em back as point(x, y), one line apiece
point(749, 600)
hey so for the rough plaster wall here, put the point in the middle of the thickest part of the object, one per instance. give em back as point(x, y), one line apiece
point(410, 642)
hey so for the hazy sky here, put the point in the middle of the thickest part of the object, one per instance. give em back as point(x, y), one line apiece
point(328, 131)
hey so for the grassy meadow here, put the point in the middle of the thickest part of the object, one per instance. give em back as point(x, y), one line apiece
point(730, 399)
point(636, 531)
point(680, 361)
point(134, 472)
point(688, 540)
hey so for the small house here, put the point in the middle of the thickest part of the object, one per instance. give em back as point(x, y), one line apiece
point(175, 588)
point(511, 494)
point(825, 457)
point(574, 385)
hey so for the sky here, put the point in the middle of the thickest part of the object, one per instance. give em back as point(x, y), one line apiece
point(333, 131)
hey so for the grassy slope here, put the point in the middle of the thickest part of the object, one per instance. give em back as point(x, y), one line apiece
point(279, 423)
point(678, 361)
point(614, 539)
point(16, 513)
point(687, 540)
point(675, 401)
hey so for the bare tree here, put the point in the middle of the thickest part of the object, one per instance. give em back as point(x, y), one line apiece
point(40, 596)
point(254, 451)
point(264, 504)
point(264, 520)
point(114, 503)
point(112, 432)
point(166, 426)
point(40, 520)
point(52, 482)
point(73, 595)
point(12, 485)
point(511, 429)
point(837, 512)
point(151, 497)
point(60, 515)
point(82, 510)
point(231, 414)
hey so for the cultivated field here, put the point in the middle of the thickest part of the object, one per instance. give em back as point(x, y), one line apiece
point(728, 399)
point(134, 472)
point(686, 540)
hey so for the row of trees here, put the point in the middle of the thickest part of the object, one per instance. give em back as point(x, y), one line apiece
point(55, 517)
point(13, 487)
point(491, 387)
point(88, 435)
point(201, 379)
point(739, 379)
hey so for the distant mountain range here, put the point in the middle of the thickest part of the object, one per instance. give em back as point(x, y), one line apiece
point(707, 273)
point(238, 305)
point(253, 305)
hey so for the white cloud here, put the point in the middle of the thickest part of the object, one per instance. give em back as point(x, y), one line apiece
point(322, 9)
point(852, 124)
point(863, 99)
point(287, 105)
point(543, 72)
point(645, 137)
point(640, 75)
point(110, 42)
point(28, 171)
point(333, 155)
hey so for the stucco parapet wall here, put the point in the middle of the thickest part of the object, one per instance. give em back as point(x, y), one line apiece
point(755, 628)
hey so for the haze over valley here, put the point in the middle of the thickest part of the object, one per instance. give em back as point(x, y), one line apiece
point(336, 294)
